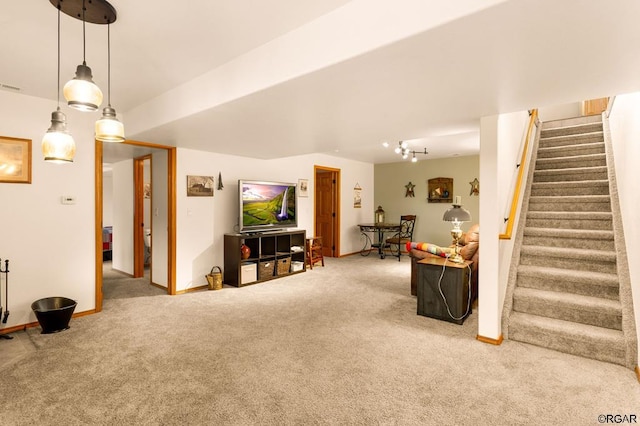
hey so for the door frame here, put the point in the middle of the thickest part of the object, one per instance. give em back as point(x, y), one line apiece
point(138, 215)
point(335, 199)
point(171, 216)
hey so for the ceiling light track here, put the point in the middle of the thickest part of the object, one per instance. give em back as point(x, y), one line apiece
point(403, 149)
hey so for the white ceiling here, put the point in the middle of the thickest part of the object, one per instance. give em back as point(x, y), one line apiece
point(431, 88)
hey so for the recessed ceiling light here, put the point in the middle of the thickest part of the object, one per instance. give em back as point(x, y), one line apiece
point(385, 144)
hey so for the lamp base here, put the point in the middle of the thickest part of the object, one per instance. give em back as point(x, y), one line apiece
point(456, 258)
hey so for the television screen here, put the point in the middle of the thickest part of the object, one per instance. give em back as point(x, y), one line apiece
point(267, 205)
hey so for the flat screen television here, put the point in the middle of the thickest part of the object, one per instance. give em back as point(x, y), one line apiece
point(267, 206)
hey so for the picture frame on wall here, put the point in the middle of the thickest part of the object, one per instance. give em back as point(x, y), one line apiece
point(199, 186)
point(303, 187)
point(15, 160)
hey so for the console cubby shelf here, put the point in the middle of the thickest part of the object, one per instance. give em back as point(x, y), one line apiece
point(272, 250)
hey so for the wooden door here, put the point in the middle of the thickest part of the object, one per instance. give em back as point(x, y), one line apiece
point(594, 106)
point(327, 209)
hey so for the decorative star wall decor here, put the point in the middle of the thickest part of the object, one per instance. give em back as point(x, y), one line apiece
point(409, 187)
point(475, 187)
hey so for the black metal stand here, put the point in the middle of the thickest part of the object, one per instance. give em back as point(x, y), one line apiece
point(5, 271)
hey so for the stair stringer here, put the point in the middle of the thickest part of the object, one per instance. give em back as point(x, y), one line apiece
point(622, 262)
point(507, 307)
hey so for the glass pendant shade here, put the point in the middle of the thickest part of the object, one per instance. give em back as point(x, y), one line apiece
point(81, 92)
point(58, 145)
point(109, 128)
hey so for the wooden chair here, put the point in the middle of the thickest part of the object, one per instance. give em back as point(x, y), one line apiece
point(314, 251)
point(407, 223)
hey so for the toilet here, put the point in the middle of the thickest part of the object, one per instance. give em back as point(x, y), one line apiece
point(147, 246)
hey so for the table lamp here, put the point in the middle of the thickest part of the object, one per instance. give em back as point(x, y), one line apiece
point(456, 215)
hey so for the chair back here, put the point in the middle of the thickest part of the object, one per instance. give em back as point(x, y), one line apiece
point(407, 223)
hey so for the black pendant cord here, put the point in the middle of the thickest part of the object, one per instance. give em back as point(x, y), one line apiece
point(58, 57)
point(109, 64)
point(84, 38)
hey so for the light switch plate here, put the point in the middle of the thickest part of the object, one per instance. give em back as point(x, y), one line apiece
point(68, 199)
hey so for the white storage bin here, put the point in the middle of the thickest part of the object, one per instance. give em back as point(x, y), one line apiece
point(296, 266)
point(248, 273)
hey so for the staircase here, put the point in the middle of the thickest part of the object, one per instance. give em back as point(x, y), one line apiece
point(566, 294)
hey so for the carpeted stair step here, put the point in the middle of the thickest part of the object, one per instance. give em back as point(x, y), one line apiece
point(583, 340)
point(589, 160)
point(584, 173)
point(573, 203)
point(569, 238)
point(565, 140)
point(587, 283)
point(571, 150)
point(577, 129)
point(568, 258)
point(569, 307)
point(580, 187)
point(570, 220)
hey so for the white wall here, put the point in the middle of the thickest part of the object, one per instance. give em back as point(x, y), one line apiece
point(559, 112)
point(500, 140)
point(625, 138)
point(390, 181)
point(123, 197)
point(159, 219)
point(489, 309)
point(50, 245)
point(203, 221)
point(107, 199)
point(512, 131)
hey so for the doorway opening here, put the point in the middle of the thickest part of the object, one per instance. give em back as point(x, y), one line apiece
point(327, 209)
point(163, 269)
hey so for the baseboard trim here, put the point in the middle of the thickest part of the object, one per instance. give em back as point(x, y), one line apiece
point(161, 287)
point(23, 327)
point(489, 340)
point(189, 290)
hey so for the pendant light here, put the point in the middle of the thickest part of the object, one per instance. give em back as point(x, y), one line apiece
point(58, 145)
point(81, 92)
point(109, 128)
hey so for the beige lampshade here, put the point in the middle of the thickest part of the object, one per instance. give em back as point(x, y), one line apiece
point(58, 145)
point(81, 92)
point(109, 128)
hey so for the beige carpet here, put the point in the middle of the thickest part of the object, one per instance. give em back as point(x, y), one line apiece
point(336, 345)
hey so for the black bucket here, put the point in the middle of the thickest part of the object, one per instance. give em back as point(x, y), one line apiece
point(54, 313)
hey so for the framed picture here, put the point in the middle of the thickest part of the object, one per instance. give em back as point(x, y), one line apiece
point(146, 190)
point(357, 196)
point(15, 160)
point(199, 186)
point(303, 187)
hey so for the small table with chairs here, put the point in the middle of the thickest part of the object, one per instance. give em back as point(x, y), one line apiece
point(380, 229)
point(401, 234)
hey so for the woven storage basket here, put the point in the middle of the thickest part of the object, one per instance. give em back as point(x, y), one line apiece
point(284, 265)
point(265, 269)
point(214, 278)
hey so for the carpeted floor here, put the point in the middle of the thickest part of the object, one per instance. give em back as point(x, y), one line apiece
point(335, 345)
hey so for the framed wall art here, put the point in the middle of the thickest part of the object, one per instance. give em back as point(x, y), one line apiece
point(303, 187)
point(199, 186)
point(15, 160)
